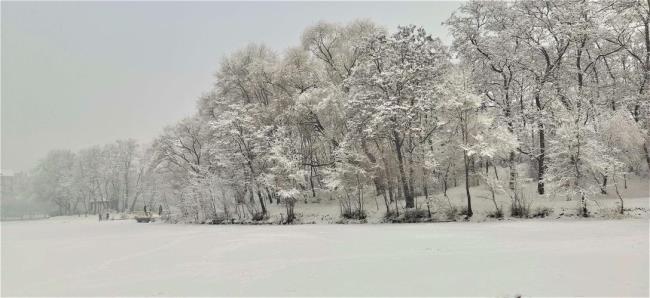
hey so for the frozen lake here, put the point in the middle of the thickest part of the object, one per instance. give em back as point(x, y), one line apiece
point(83, 257)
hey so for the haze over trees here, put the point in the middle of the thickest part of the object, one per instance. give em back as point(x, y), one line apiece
point(359, 110)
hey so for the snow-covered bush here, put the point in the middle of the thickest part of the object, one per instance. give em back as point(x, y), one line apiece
point(542, 212)
point(519, 204)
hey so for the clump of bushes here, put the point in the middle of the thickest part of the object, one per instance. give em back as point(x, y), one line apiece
point(390, 215)
point(463, 211)
point(354, 214)
point(451, 213)
point(612, 213)
point(415, 215)
point(352, 208)
point(258, 216)
point(495, 214)
point(289, 203)
point(542, 212)
point(217, 220)
point(411, 215)
point(494, 186)
point(582, 210)
point(519, 207)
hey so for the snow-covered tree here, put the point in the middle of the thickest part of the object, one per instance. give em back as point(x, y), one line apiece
point(392, 94)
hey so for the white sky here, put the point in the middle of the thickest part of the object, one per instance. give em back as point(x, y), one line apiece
point(80, 74)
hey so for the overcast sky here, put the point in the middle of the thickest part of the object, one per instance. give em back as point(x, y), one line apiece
point(80, 74)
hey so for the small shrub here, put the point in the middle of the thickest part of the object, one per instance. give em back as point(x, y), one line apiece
point(519, 207)
point(289, 205)
point(414, 215)
point(519, 210)
point(410, 215)
point(354, 214)
point(258, 216)
point(216, 221)
point(612, 213)
point(391, 215)
point(451, 213)
point(582, 211)
point(638, 211)
point(542, 212)
point(495, 214)
point(463, 211)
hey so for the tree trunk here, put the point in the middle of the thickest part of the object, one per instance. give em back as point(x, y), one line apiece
point(126, 189)
point(542, 147)
point(311, 182)
point(405, 188)
point(411, 178)
point(387, 177)
point(268, 195)
point(513, 171)
point(469, 197)
point(444, 186)
point(425, 190)
point(377, 175)
point(259, 195)
point(386, 201)
point(647, 155)
point(540, 160)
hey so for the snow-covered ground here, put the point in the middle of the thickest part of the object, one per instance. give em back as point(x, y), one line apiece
point(83, 257)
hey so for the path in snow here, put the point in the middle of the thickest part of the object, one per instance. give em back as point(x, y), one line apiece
point(81, 257)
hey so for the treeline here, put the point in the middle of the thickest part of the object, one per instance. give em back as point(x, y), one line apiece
point(558, 85)
point(114, 177)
